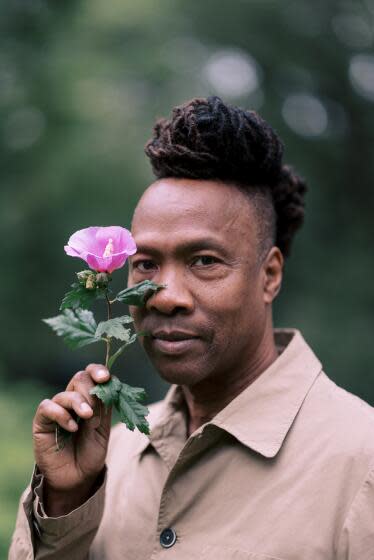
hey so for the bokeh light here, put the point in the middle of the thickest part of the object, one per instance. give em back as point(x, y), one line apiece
point(305, 114)
point(353, 30)
point(233, 73)
point(361, 73)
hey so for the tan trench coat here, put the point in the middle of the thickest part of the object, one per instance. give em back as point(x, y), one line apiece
point(284, 472)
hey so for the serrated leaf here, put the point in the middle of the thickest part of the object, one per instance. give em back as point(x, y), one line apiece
point(127, 401)
point(116, 355)
point(86, 318)
point(125, 319)
point(79, 296)
point(108, 392)
point(114, 328)
point(138, 294)
point(133, 393)
point(131, 411)
point(76, 327)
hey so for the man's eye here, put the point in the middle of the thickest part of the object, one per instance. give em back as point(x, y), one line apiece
point(205, 260)
point(144, 266)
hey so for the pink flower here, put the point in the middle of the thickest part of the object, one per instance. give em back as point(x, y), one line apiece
point(103, 248)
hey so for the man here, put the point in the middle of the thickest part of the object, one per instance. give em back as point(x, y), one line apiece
point(254, 453)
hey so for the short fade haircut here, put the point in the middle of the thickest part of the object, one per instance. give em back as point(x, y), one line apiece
point(208, 139)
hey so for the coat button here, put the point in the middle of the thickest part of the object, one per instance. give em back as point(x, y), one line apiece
point(168, 538)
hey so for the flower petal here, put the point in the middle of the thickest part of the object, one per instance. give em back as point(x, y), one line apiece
point(130, 244)
point(84, 240)
point(90, 243)
point(71, 252)
point(118, 261)
point(121, 238)
point(107, 264)
point(100, 264)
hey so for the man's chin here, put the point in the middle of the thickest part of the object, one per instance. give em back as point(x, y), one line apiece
point(179, 374)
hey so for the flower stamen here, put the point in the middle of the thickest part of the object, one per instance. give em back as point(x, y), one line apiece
point(109, 249)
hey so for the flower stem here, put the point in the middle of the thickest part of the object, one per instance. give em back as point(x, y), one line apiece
point(108, 339)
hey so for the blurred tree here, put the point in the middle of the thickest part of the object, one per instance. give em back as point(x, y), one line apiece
point(318, 92)
point(81, 84)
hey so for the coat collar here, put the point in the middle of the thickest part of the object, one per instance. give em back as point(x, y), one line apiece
point(261, 415)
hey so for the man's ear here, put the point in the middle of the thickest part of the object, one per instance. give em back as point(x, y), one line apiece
point(273, 272)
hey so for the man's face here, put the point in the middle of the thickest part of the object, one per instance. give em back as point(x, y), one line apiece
point(199, 238)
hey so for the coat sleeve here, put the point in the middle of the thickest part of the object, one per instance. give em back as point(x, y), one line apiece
point(69, 537)
point(357, 536)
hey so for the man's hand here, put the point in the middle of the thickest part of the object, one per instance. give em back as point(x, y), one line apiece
point(72, 472)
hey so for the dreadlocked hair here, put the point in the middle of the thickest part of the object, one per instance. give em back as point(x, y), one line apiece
point(208, 139)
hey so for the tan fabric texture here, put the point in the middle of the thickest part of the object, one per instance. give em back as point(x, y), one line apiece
point(284, 472)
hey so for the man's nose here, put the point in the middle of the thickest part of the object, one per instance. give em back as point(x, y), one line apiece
point(175, 297)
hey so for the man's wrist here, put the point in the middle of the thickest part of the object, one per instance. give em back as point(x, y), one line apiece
point(57, 503)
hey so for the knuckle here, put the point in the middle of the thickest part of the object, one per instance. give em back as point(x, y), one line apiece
point(58, 397)
point(80, 376)
point(77, 397)
point(63, 414)
point(82, 392)
point(44, 405)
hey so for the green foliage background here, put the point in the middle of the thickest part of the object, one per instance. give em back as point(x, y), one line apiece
point(81, 83)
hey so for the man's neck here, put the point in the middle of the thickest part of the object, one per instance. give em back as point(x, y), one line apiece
point(207, 398)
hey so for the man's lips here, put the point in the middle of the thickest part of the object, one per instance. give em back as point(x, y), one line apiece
point(173, 342)
point(173, 335)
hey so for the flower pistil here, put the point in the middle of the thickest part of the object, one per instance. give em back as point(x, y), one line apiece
point(109, 249)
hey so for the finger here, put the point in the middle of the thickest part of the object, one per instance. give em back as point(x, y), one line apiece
point(82, 383)
point(98, 373)
point(49, 413)
point(74, 400)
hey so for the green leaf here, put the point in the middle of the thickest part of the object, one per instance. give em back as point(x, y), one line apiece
point(127, 401)
point(77, 327)
point(114, 328)
point(108, 392)
point(138, 294)
point(117, 354)
point(79, 296)
point(134, 393)
point(130, 409)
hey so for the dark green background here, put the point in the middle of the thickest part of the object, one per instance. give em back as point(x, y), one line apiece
point(81, 83)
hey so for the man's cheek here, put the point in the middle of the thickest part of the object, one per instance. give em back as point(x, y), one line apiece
point(137, 314)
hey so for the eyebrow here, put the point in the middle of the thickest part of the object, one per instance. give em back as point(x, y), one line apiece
point(192, 246)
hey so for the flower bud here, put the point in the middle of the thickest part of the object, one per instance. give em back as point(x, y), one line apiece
point(90, 282)
point(83, 275)
point(102, 279)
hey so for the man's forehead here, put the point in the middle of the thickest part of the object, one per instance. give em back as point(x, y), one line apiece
point(188, 204)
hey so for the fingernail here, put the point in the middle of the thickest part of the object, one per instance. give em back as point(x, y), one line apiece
point(85, 407)
point(101, 374)
point(72, 425)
